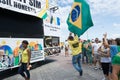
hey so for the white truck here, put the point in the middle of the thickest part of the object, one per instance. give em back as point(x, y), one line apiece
point(20, 21)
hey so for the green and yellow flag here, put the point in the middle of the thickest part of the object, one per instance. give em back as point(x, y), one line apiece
point(79, 19)
point(43, 13)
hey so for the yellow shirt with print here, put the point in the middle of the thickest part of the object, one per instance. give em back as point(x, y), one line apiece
point(75, 50)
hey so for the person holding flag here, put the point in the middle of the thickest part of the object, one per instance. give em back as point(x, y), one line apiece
point(79, 20)
point(76, 48)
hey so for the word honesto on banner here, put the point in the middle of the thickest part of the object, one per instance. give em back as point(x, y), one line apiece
point(34, 3)
point(31, 7)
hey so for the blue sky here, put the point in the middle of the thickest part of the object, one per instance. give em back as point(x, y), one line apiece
point(105, 15)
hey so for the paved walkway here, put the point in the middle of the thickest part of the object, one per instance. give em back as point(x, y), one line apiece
point(55, 68)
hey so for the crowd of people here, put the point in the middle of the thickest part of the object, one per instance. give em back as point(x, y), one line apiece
point(103, 55)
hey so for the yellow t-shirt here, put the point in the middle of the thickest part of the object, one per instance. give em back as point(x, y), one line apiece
point(75, 46)
point(25, 56)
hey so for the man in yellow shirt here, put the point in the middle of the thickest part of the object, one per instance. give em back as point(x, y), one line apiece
point(75, 46)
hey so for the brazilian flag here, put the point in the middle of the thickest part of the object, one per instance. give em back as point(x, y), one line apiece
point(43, 13)
point(79, 19)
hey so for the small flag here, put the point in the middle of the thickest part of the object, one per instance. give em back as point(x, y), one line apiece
point(43, 14)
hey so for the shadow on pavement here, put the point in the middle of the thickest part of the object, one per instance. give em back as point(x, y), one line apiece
point(9, 73)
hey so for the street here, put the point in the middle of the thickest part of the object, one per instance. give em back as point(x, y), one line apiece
point(55, 68)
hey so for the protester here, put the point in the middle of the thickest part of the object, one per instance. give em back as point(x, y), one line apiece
point(104, 51)
point(114, 52)
point(66, 48)
point(89, 52)
point(84, 52)
point(75, 46)
point(96, 55)
point(116, 62)
point(25, 61)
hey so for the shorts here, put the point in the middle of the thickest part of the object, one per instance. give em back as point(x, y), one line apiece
point(106, 68)
point(116, 60)
point(96, 57)
point(66, 49)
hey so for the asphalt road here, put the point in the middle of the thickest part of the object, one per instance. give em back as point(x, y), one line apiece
point(55, 68)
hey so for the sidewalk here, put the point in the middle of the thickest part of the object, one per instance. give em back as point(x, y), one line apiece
point(58, 68)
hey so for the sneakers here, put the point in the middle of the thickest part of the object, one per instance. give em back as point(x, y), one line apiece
point(104, 79)
point(81, 73)
point(95, 68)
point(100, 68)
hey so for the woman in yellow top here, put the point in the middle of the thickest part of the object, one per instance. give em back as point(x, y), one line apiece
point(25, 61)
point(75, 46)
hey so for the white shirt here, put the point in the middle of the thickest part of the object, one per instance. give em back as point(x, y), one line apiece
point(105, 59)
point(96, 47)
point(66, 44)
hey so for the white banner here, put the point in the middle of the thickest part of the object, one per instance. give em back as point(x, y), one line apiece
point(31, 7)
point(52, 26)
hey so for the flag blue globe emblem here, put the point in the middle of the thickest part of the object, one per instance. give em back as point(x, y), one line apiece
point(75, 13)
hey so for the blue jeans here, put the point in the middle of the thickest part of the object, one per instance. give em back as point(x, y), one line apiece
point(84, 54)
point(76, 62)
point(22, 69)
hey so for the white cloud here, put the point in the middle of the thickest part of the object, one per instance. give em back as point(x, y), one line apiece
point(105, 7)
point(115, 36)
point(116, 24)
point(63, 3)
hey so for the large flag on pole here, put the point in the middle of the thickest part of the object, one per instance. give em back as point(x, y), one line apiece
point(79, 19)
